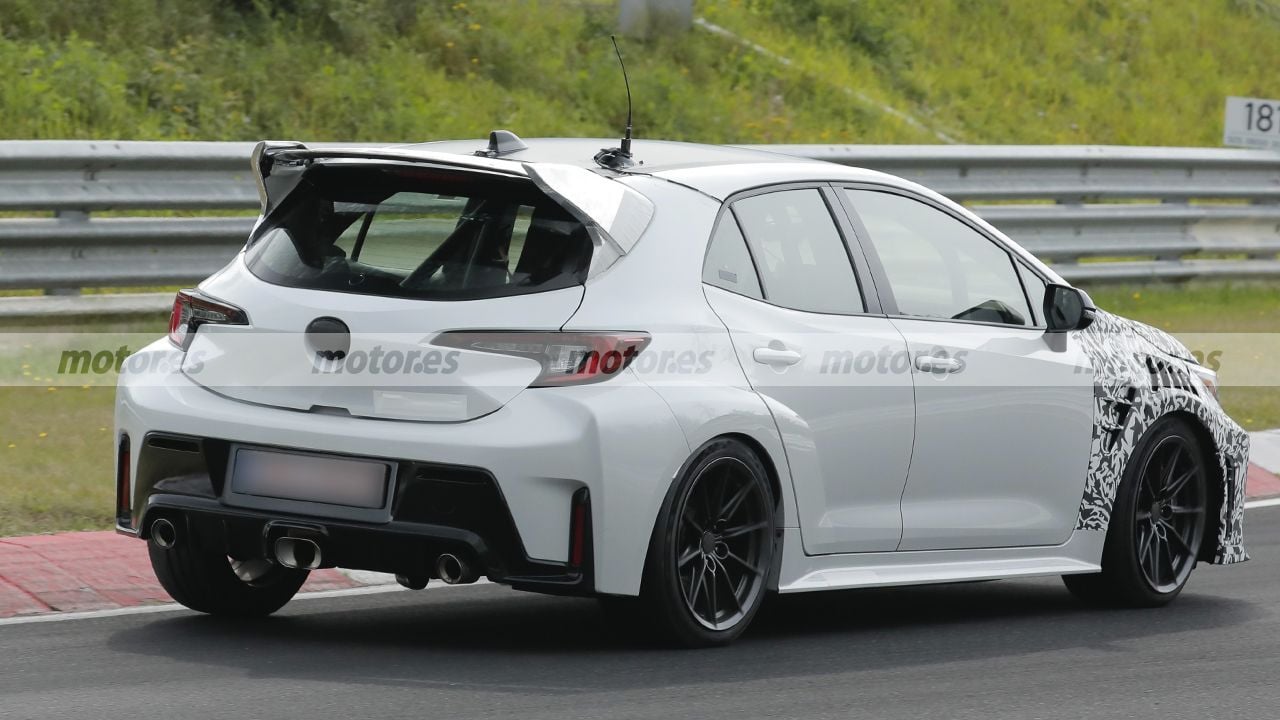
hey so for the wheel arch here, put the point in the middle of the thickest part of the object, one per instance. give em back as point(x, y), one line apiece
point(1217, 482)
point(772, 476)
point(771, 469)
point(779, 502)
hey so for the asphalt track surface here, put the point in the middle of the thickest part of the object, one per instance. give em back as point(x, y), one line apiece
point(1011, 649)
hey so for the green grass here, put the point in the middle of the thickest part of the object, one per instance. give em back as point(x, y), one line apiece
point(56, 458)
point(990, 71)
point(55, 445)
point(1197, 307)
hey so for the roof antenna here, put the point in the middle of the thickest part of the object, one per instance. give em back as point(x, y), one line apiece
point(619, 158)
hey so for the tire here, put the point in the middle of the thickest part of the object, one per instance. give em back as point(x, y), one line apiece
point(1157, 523)
point(208, 581)
point(712, 548)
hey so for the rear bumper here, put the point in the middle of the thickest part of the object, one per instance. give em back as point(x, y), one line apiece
point(618, 441)
point(435, 509)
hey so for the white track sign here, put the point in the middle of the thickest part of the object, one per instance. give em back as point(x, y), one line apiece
point(1252, 123)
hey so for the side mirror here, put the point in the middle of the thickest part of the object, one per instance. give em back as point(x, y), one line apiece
point(1067, 308)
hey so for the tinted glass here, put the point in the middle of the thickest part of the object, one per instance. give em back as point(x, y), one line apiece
point(728, 263)
point(937, 266)
point(801, 257)
point(419, 233)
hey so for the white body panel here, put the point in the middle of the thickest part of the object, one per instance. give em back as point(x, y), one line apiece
point(269, 363)
point(1001, 448)
point(1082, 553)
point(847, 432)
point(618, 439)
point(708, 396)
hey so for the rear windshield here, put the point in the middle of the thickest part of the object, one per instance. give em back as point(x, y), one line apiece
point(419, 233)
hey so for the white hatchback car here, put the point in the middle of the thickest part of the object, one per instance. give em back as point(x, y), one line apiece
point(712, 375)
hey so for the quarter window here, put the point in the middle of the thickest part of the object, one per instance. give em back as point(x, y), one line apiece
point(728, 263)
point(937, 266)
point(801, 257)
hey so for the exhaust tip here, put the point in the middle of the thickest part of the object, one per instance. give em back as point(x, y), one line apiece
point(163, 534)
point(453, 570)
point(297, 553)
point(412, 582)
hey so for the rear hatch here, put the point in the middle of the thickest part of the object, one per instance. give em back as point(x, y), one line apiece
point(359, 266)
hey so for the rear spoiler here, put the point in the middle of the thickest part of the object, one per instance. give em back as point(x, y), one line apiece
point(615, 214)
point(608, 208)
point(269, 155)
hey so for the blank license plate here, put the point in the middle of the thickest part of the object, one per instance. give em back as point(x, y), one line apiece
point(310, 478)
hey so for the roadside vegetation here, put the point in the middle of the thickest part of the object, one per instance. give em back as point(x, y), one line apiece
point(56, 471)
point(996, 71)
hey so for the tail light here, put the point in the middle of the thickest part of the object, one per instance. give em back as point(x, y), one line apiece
point(567, 358)
point(191, 309)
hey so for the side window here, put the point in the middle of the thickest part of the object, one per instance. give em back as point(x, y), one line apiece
point(801, 257)
point(728, 263)
point(938, 266)
point(1035, 291)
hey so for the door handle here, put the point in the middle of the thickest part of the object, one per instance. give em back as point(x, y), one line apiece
point(936, 364)
point(776, 356)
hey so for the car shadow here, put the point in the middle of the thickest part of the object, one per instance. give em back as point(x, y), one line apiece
point(501, 640)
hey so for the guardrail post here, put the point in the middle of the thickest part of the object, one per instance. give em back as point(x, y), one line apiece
point(1176, 255)
point(1271, 252)
point(78, 217)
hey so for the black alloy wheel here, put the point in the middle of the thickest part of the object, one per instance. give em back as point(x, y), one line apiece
point(713, 547)
point(1169, 514)
point(1158, 522)
point(724, 531)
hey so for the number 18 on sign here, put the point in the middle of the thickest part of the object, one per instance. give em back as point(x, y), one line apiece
point(1252, 123)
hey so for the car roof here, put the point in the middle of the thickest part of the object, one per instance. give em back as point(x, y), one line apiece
point(656, 155)
point(716, 170)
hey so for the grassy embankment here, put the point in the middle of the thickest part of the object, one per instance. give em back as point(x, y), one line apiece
point(1135, 72)
point(1001, 71)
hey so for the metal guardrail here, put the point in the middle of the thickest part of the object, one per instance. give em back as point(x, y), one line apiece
point(1095, 213)
point(1103, 213)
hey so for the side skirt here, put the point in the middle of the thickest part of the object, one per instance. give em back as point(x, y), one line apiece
point(1082, 553)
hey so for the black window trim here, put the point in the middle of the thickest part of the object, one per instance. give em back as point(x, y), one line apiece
point(1037, 304)
point(862, 271)
point(881, 279)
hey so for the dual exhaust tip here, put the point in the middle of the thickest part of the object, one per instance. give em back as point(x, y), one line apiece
point(291, 552)
point(304, 554)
